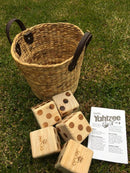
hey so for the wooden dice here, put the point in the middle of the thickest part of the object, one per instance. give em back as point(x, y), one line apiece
point(66, 103)
point(44, 141)
point(74, 126)
point(46, 114)
point(74, 158)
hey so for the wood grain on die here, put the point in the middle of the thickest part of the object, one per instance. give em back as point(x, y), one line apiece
point(46, 114)
point(44, 142)
point(57, 138)
point(61, 154)
point(78, 127)
point(74, 126)
point(78, 161)
point(63, 131)
point(66, 103)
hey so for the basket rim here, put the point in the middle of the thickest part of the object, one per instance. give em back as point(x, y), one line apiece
point(40, 65)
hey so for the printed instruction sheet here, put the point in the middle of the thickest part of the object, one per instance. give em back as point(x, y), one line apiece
point(108, 138)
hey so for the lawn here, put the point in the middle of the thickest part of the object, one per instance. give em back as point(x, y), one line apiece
point(104, 79)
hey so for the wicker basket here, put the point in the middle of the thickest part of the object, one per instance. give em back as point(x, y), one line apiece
point(49, 55)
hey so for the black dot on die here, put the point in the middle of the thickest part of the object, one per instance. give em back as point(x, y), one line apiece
point(62, 108)
point(65, 101)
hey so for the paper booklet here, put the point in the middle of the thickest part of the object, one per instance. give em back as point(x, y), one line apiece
point(108, 138)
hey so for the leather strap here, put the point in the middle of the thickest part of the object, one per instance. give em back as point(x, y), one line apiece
point(83, 42)
point(9, 25)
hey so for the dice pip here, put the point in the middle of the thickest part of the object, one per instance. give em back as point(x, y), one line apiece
point(66, 103)
point(74, 126)
point(74, 158)
point(44, 142)
point(46, 114)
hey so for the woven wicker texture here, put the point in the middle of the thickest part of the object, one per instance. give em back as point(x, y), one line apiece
point(45, 61)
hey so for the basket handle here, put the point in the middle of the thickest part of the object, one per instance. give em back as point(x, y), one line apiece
point(19, 22)
point(83, 42)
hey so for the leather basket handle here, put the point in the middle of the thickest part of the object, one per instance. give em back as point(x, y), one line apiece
point(19, 22)
point(83, 42)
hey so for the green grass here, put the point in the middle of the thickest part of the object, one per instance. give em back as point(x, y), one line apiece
point(104, 79)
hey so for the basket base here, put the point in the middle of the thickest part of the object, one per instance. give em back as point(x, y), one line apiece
point(47, 95)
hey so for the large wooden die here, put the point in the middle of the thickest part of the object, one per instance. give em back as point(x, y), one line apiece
point(44, 142)
point(74, 126)
point(46, 114)
point(66, 103)
point(74, 158)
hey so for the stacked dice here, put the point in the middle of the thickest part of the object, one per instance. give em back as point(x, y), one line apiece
point(61, 116)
